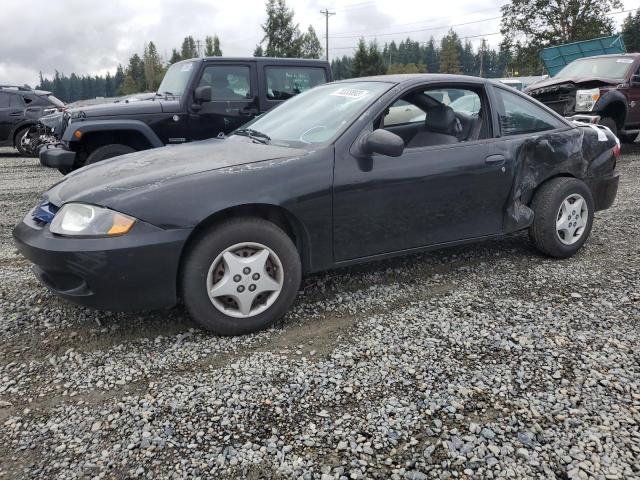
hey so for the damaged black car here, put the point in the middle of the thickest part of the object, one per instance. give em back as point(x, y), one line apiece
point(347, 172)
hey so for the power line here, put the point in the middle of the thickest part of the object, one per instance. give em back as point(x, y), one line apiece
point(420, 30)
point(431, 20)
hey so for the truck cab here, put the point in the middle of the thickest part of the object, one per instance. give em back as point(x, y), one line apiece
point(602, 89)
point(197, 99)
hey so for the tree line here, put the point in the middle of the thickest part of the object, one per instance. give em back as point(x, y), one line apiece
point(526, 28)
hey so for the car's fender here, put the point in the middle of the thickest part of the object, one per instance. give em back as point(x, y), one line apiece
point(90, 126)
point(612, 99)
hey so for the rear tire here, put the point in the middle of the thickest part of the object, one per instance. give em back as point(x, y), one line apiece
point(560, 225)
point(213, 259)
point(17, 141)
point(108, 151)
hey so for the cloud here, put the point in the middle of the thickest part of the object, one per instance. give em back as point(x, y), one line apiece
point(92, 36)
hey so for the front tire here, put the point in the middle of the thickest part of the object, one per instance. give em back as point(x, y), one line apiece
point(563, 215)
point(240, 276)
point(108, 151)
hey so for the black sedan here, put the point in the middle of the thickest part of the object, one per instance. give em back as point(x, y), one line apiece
point(344, 173)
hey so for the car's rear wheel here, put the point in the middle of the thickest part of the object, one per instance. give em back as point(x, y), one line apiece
point(563, 215)
point(21, 141)
point(108, 151)
point(240, 276)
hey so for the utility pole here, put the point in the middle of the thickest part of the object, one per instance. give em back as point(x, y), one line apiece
point(327, 14)
point(482, 56)
point(198, 47)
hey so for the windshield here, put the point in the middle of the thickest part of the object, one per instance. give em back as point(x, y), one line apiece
point(176, 79)
point(317, 115)
point(608, 67)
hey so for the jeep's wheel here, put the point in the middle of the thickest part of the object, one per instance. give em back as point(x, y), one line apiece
point(610, 123)
point(563, 215)
point(108, 151)
point(21, 141)
point(240, 276)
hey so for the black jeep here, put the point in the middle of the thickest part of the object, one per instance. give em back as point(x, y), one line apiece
point(20, 109)
point(197, 99)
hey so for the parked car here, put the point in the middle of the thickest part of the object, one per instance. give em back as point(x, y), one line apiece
point(20, 108)
point(603, 89)
point(230, 225)
point(197, 99)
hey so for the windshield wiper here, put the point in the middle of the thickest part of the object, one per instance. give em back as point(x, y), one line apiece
point(164, 94)
point(254, 135)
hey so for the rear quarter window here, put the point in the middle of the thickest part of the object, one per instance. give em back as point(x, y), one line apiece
point(286, 82)
point(519, 115)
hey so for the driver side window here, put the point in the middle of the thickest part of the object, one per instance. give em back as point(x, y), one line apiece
point(437, 116)
point(227, 82)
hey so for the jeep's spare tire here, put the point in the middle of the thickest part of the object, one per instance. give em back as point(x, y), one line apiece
point(108, 151)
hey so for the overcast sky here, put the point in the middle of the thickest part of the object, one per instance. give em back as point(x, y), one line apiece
point(93, 36)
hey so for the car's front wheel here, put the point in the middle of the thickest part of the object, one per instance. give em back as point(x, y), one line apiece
point(563, 215)
point(108, 151)
point(21, 141)
point(240, 276)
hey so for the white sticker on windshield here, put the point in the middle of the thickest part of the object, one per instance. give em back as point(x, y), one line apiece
point(350, 93)
point(186, 67)
point(624, 60)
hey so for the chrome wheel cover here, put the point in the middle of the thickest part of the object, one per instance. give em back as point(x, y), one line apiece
point(572, 219)
point(245, 280)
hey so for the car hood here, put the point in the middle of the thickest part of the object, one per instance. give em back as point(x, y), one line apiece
point(586, 82)
point(127, 108)
point(105, 182)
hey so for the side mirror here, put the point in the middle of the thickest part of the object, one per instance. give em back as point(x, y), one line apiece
point(383, 142)
point(202, 94)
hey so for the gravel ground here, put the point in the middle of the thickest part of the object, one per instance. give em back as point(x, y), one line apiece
point(484, 361)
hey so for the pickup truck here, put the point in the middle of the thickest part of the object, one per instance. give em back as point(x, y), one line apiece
point(197, 99)
point(603, 89)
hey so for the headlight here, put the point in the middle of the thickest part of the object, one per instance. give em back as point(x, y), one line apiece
point(80, 219)
point(586, 99)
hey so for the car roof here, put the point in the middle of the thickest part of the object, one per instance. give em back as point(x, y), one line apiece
point(631, 54)
point(257, 59)
point(412, 78)
point(22, 91)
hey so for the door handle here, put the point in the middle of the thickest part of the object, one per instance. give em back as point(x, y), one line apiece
point(494, 160)
point(247, 111)
point(16, 114)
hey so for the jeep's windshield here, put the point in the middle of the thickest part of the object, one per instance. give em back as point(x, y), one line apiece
point(317, 115)
point(176, 79)
point(607, 67)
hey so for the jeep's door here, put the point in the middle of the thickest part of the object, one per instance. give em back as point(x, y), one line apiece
point(233, 99)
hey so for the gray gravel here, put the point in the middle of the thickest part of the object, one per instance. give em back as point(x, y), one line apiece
point(485, 361)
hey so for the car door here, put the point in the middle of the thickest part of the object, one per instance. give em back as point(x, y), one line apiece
point(431, 194)
point(233, 99)
point(11, 113)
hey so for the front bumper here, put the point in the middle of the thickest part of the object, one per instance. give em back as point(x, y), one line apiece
point(137, 271)
point(56, 157)
point(604, 190)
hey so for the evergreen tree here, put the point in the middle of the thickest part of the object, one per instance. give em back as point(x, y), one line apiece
point(175, 57)
point(212, 46)
point(188, 49)
point(432, 56)
point(281, 34)
point(118, 79)
point(310, 46)
point(153, 68)
point(135, 70)
point(449, 56)
point(468, 59)
point(258, 52)
point(109, 88)
point(631, 32)
point(361, 60)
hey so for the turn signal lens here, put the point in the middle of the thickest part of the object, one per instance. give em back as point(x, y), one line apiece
point(121, 225)
point(77, 134)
